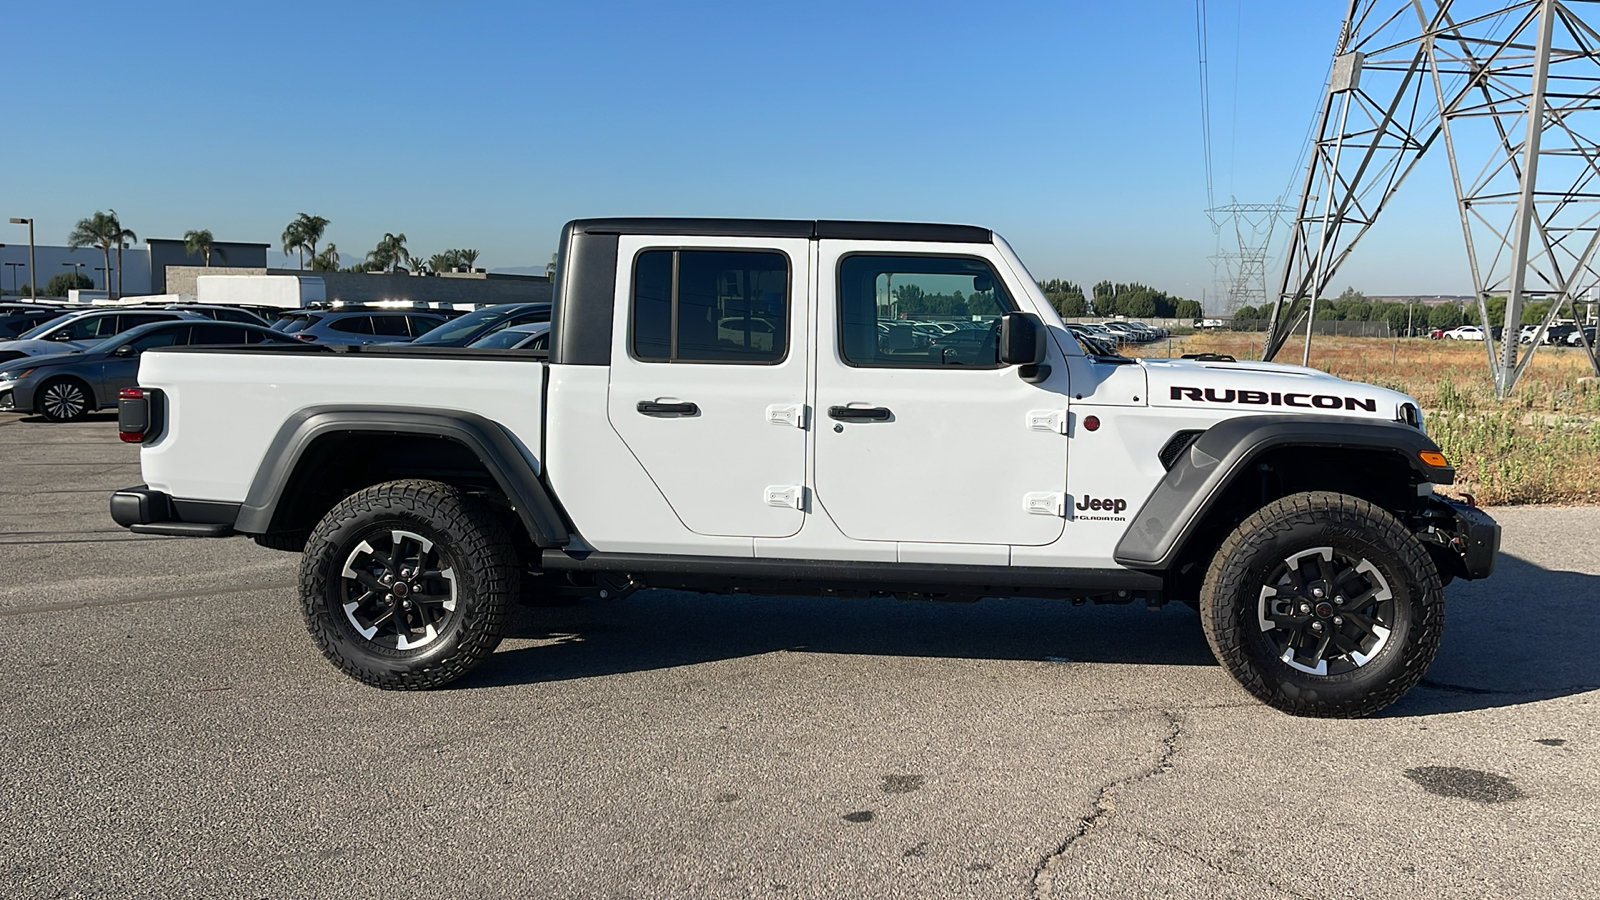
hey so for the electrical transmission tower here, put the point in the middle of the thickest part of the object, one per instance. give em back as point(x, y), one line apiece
point(1251, 225)
point(1512, 91)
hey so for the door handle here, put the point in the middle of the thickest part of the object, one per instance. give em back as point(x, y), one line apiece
point(874, 413)
point(652, 408)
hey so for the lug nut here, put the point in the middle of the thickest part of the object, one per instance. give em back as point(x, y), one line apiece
point(1305, 609)
point(1316, 626)
point(1339, 600)
point(1317, 592)
point(1338, 620)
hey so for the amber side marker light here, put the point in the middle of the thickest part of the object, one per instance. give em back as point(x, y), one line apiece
point(1434, 458)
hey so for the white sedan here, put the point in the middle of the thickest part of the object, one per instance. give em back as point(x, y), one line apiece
point(1465, 333)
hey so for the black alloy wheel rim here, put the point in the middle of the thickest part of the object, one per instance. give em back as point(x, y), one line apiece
point(1326, 612)
point(64, 400)
point(398, 590)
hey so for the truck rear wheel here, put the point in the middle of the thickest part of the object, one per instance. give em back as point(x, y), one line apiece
point(406, 585)
point(1321, 604)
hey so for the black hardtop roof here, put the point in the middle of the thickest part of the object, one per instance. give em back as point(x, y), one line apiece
point(819, 229)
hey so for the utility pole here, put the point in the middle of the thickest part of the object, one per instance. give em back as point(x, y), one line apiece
point(33, 277)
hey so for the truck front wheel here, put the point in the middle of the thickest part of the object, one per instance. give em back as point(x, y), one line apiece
point(406, 585)
point(1322, 604)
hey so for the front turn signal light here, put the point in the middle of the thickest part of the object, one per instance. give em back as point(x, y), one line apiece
point(1434, 458)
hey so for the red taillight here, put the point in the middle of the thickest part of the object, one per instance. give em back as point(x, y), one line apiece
point(306, 337)
point(133, 415)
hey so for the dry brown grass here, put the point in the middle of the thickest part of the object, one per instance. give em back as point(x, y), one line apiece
point(1541, 445)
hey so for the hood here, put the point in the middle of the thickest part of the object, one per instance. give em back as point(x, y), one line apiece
point(1259, 387)
point(13, 349)
point(35, 362)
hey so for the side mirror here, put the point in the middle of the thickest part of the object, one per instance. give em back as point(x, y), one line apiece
point(62, 335)
point(1021, 339)
point(125, 350)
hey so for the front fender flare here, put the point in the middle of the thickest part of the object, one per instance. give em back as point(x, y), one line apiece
point(499, 453)
point(1183, 498)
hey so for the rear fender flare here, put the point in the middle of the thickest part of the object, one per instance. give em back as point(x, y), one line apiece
point(511, 468)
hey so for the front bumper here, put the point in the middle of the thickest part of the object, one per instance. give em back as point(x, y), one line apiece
point(1464, 538)
point(143, 510)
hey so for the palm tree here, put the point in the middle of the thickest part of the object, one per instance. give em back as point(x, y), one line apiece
point(125, 239)
point(310, 229)
point(294, 239)
point(99, 230)
point(327, 260)
point(469, 258)
point(202, 243)
point(390, 252)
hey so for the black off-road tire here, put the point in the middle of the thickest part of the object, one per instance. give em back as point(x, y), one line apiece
point(1250, 575)
point(468, 542)
point(64, 399)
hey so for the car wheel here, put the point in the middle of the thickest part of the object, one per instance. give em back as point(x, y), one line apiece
point(1321, 604)
point(64, 400)
point(407, 585)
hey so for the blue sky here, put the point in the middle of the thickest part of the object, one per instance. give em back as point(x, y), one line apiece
point(1070, 127)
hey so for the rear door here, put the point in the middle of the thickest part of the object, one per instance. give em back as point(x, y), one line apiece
point(708, 377)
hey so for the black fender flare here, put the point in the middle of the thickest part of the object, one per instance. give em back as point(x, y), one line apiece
point(496, 449)
point(1183, 498)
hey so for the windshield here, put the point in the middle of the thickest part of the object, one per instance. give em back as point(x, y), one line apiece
point(42, 328)
point(490, 318)
point(503, 339)
point(291, 324)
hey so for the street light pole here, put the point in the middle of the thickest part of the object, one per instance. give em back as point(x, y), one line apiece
point(77, 270)
point(33, 273)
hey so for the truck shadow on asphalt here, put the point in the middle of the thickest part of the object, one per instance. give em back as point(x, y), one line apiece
point(1526, 634)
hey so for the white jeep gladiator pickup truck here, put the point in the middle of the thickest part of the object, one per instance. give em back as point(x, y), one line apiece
point(735, 406)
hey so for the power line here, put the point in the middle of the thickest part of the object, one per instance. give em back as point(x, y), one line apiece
point(1205, 96)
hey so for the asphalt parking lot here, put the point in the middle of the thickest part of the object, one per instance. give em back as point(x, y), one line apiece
point(169, 730)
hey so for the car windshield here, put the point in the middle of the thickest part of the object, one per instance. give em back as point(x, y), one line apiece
point(44, 327)
point(492, 317)
point(502, 339)
point(291, 324)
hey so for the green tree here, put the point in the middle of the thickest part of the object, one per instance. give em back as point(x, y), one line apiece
point(1247, 312)
point(68, 281)
point(1445, 315)
point(200, 241)
point(327, 260)
point(99, 230)
point(469, 258)
point(125, 238)
point(310, 229)
point(1137, 305)
point(1189, 309)
point(390, 253)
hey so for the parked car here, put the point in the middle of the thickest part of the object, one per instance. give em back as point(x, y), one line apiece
point(81, 330)
point(464, 330)
point(1464, 333)
point(15, 322)
point(220, 313)
point(535, 336)
point(1575, 339)
point(359, 326)
point(64, 387)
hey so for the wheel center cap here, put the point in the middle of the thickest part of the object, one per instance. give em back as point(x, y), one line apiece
point(1324, 609)
point(401, 589)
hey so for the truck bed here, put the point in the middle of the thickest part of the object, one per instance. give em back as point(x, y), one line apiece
point(223, 406)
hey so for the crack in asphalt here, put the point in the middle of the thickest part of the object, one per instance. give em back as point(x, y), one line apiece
point(1105, 805)
point(1220, 868)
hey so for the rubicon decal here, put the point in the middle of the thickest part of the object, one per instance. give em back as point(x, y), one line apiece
point(1274, 398)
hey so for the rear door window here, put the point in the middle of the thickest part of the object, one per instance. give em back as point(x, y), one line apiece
point(421, 325)
point(220, 333)
point(352, 325)
point(161, 337)
point(713, 306)
point(390, 326)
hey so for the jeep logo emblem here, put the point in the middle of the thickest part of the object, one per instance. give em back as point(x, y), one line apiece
point(1110, 504)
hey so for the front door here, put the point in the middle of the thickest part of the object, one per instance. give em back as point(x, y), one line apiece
point(922, 435)
point(708, 377)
